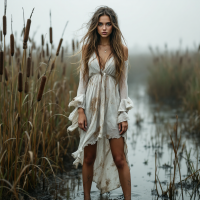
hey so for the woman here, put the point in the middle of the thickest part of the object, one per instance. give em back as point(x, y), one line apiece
point(102, 105)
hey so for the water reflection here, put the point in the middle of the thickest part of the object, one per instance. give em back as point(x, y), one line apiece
point(149, 128)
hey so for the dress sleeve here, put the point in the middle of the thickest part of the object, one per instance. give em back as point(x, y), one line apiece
point(125, 102)
point(78, 101)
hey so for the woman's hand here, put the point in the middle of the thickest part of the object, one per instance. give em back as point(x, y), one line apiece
point(123, 126)
point(82, 121)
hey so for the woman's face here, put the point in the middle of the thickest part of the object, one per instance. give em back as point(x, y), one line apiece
point(104, 27)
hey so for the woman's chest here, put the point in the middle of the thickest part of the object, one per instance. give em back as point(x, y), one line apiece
point(94, 67)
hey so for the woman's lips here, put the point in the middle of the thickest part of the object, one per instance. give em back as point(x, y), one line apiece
point(104, 33)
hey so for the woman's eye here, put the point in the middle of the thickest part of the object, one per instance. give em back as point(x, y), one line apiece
point(109, 24)
point(100, 24)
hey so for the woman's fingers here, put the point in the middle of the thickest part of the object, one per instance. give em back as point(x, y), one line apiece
point(81, 125)
point(124, 128)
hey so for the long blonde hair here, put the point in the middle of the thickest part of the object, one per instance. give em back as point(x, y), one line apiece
point(91, 40)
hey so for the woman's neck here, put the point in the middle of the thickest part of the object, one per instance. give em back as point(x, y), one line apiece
point(105, 41)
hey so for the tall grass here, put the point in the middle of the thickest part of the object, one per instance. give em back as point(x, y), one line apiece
point(34, 112)
point(176, 76)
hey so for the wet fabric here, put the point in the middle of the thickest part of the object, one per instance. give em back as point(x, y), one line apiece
point(105, 106)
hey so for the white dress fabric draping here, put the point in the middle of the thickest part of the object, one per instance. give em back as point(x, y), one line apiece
point(105, 106)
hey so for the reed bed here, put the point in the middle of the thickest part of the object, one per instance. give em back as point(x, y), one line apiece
point(175, 77)
point(34, 110)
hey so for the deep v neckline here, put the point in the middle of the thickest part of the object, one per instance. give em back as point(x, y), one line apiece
point(105, 63)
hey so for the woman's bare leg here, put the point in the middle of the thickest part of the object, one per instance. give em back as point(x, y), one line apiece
point(87, 170)
point(117, 149)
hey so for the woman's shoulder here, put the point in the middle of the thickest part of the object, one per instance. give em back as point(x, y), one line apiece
point(125, 48)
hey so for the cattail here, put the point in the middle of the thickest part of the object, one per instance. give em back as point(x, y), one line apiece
point(12, 51)
point(26, 35)
point(6, 74)
point(28, 66)
point(52, 65)
point(62, 54)
point(26, 87)
point(47, 50)
point(42, 85)
point(27, 29)
point(42, 40)
point(20, 85)
point(32, 68)
point(73, 45)
point(1, 63)
point(51, 34)
point(4, 25)
point(1, 35)
point(58, 49)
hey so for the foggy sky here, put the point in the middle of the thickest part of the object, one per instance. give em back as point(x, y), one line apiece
point(143, 23)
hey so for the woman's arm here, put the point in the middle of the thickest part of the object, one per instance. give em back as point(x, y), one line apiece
point(125, 102)
point(77, 116)
point(82, 86)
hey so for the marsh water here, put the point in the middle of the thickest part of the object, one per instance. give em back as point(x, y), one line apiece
point(147, 134)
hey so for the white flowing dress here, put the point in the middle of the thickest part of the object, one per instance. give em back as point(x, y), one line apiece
point(105, 106)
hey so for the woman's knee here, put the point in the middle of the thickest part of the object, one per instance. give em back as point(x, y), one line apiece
point(119, 160)
point(89, 159)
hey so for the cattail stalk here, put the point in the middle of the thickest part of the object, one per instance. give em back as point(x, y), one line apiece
point(27, 29)
point(6, 74)
point(1, 64)
point(26, 35)
point(47, 50)
point(20, 81)
point(4, 25)
point(50, 32)
point(12, 45)
point(42, 85)
point(1, 36)
point(58, 49)
point(62, 54)
point(73, 45)
point(12, 51)
point(28, 70)
point(42, 39)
